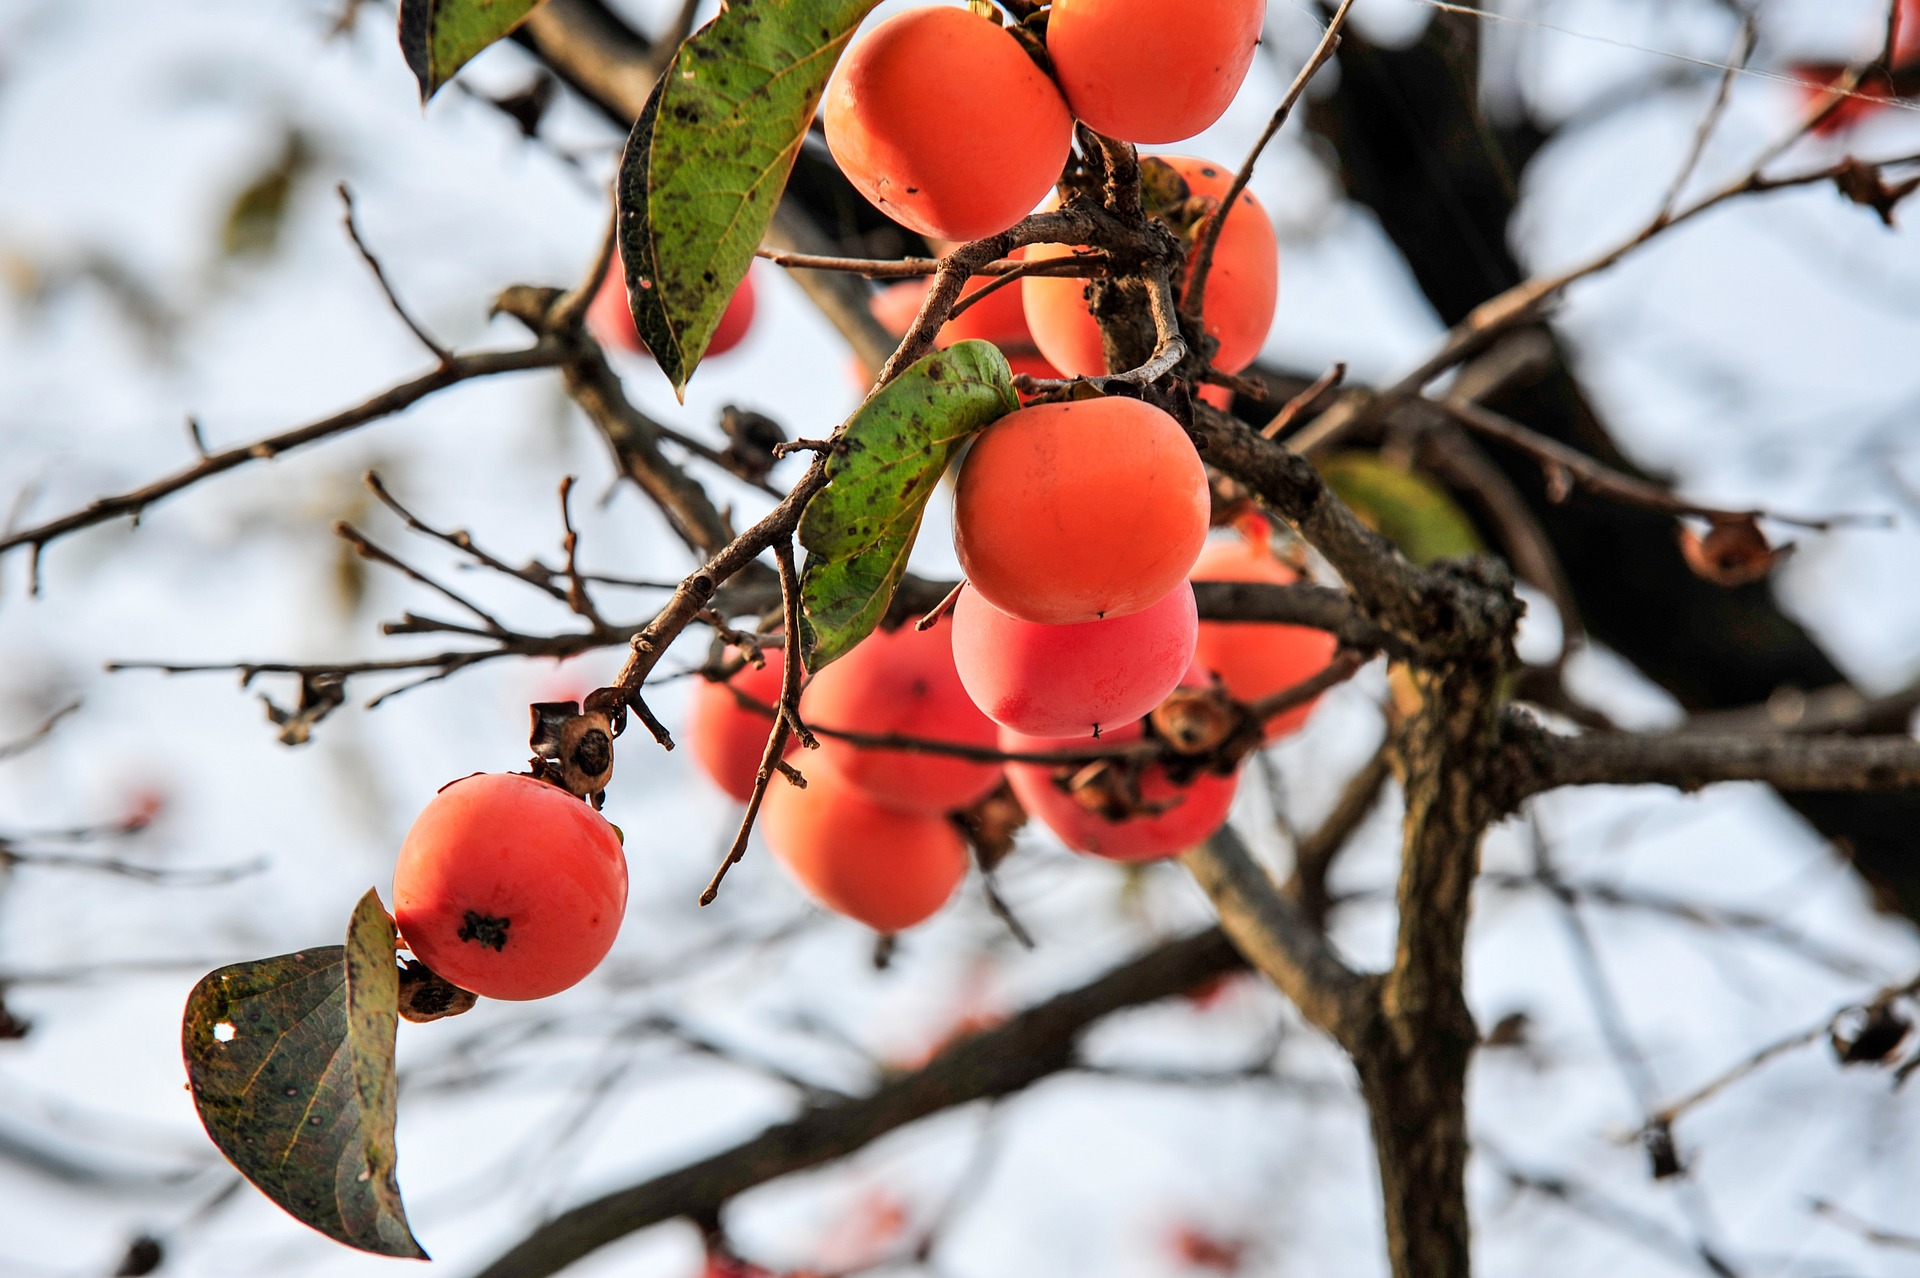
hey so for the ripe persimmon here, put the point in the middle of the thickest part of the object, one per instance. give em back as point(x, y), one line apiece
point(510, 887)
point(886, 868)
point(1243, 284)
point(1258, 659)
point(1071, 681)
point(902, 682)
point(1152, 71)
point(940, 118)
point(1075, 511)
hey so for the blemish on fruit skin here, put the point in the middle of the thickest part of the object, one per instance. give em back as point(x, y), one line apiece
point(489, 931)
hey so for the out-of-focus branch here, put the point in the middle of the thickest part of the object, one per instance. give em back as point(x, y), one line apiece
point(999, 1062)
point(542, 354)
point(1690, 760)
point(1278, 939)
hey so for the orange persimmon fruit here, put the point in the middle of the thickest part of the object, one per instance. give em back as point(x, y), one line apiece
point(509, 887)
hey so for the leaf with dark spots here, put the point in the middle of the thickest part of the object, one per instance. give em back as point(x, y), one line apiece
point(438, 37)
point(859, 530)
point(709, 157)
point(290, 1061)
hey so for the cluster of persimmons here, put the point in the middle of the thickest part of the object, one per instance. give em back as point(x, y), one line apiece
point(1080, 525)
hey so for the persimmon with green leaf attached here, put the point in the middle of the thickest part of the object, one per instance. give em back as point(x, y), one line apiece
point(1074, 511)
point(1243, 283)
point(509, 887)
point(944, 122)
point(1072, 681)
point(902, 682)
point(1152, 71)
point(883, 867)
point(728, 738)
point(1256, 659)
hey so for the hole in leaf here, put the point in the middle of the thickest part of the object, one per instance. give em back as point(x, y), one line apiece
point(223, 1032)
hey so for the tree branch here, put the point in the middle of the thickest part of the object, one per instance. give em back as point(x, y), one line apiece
point(542, 354)
point(1690, 760)
point(1278, 939)
point(999, 1062)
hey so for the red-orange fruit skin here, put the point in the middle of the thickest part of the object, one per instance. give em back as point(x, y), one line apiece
point(1243, 286)
point(1201, 808)
point(1075, 511)
point(885, 868)
point(1069, 681)
point(726, 737)
point(510, 848)
point(902, 681)
point(610, 320)
point(1258, 659)
point(1152, 71)
point(941, 120)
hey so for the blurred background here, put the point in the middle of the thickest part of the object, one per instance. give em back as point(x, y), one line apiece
point(171, 247)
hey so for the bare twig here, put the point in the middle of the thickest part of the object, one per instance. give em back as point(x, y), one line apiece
point(907, 268)
point(1742, 50)
point(20, 745)
point(542, 354)
point(785, 721)
point(1568, 468)
point(1297, 407)
point(1210, 236)
point(440, 352)
point(998, 1062)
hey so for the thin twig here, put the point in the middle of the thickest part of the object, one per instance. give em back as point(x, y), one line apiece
point(887, 268)
point(1567, 468)
point(1742, 50)
point(20, 745)
point(1297, 407)
point(785, 720)
point(567, 312)
point(1210, 234)
point(440, 352)
point(542, 354)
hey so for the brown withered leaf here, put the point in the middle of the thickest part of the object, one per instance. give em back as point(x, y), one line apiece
point(1732, 552)
point(1864, 184)
point(990, 824)
point(320, 696)
point(427, 996)
point(572, 750)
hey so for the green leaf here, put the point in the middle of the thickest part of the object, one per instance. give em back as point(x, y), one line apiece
point(290, 1061)
point(1405, 507)
point(859, 529)
point(709, 157)
point(438, 37)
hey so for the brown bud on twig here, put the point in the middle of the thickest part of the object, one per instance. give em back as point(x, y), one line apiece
point(425, 996)
point(1734, 552)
